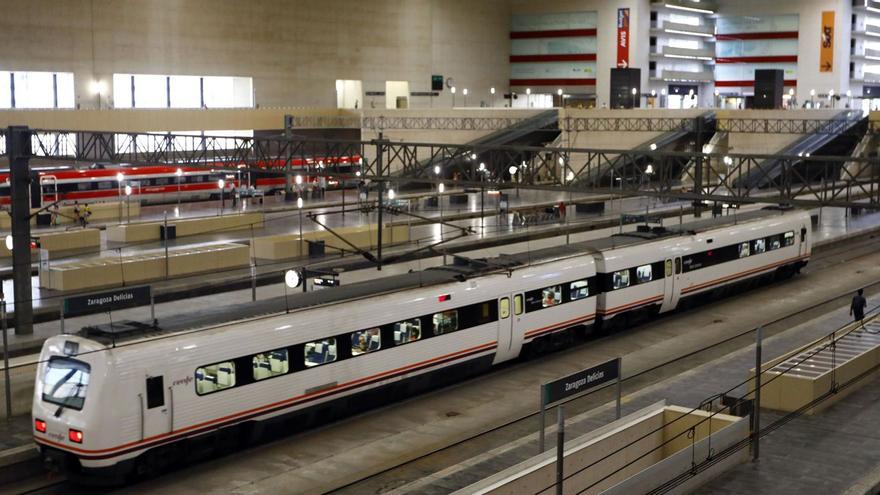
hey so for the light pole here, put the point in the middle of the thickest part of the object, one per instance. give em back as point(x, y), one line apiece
point(691, 96)
point(299, 206)
point(299, 180)
point(831, 97)
point(221, 184)
point(127, 203)
point(662, 94)
point(452, 90)
point(179, 174)
point(653, 98)
point(529, 97)
point(119, 177)
point(848, 98)
point(440, 189)
point(492, 92)
point(465, 92)
point(634, 92)
point(812, 97)
point(717, 99)
point(559, 94)
point(482, 170)
point(791, 102)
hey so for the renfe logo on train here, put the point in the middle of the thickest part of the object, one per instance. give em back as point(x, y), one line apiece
point(581, 381)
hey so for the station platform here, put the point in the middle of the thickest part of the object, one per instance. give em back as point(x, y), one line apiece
point(330, 458)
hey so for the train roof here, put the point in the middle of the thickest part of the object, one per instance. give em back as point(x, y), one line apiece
point(465, 268)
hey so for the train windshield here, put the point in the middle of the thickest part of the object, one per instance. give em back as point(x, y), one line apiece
point(65, 382)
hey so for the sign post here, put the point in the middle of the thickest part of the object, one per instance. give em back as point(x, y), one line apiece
point(577, 384)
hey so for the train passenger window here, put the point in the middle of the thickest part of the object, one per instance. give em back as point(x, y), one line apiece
point(320, 352)
point(551, 296)
point(620, 279)
point(504, 307)
point(105, 185)
point(83, 186)
point(445, 322)
point(155, 392)
point(366, 341)
point(643, 274)
point(161, 181)
point(269, 364)
point(789, 239)
point(774, 242)
point(215, 377)
point(579, 290)
point(406, 331)
point(743, 249)
point(518, 304)
point(759, 246)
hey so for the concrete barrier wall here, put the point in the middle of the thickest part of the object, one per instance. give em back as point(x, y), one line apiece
point(100, 212)
point(110, 271)
point(150, 231)
point(286, 246)
point(74, 239)
point(652, 464)
point(21, 376)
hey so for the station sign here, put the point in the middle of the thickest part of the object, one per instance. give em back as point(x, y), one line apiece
point(127, 297)
point(580, 382)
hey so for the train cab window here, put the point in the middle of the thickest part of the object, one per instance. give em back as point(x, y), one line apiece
point(551, 296)
point(406, 331)
point(643, 274)
point(579, 290)
point(620, 279)
point(759, 246)
point(65, 382)
point(788, 239)
point(366, 341)
point(774, 242)
point(668, 267)
point(677, 266)
point(445, 322)
point(215, 377)
point(320, 352)
point(518, 304)
point(155, 392)
point(744, 249)
point(269, 364)
point(504, 307)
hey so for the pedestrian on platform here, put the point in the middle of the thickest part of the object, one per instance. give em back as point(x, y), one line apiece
point(857, 307)
point(234, 194)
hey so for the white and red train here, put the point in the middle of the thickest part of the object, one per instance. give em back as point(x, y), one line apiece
point(149, 402)
point(163, 183)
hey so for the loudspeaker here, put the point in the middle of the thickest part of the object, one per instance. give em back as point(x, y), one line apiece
point(623, 81)
point(769, 86)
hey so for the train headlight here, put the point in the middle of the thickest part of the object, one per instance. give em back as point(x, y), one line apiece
point(75, 436)
point(40, 425)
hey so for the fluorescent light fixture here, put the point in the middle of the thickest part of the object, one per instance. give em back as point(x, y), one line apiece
point(692, 33)
point(689, 57)
point(688, 9)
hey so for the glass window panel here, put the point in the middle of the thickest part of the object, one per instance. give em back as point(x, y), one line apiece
point(643, 273)
point(365, 341)
point(215, 377)
point(552, 46)
point(620, 279)
point(759, 246)
point(551, 296)
point(269, 364)
point(553, 70)
point(504, 308)
point(789, 239)
point(65, 382)
point(150, 91)
point(218, 92)
point(320, 352)
point(66, 93)
point(690, 20)
point(518, 304)
point(122, 90)
point(554, 21)
point(579, 290)
point(756, 24)
point(186, 92)
point(407, 331)
point(242, 92)
point(34, 90)
point(743, 249)
point(5, 90)
point(445, 322)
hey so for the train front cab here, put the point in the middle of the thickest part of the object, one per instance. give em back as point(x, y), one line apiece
point(71, 416)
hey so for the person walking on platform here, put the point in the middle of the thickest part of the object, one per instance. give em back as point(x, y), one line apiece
point(857, 307)
point(234, 194)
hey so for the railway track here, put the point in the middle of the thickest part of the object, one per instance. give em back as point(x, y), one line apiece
point(826, 257)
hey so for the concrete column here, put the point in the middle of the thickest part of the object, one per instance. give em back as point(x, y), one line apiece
point(18, 144)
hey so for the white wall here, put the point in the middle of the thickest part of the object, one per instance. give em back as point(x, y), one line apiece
point(295, 50)
point(809, 27)
point(606, 35)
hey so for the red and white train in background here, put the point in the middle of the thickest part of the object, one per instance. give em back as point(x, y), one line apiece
point(165, 183)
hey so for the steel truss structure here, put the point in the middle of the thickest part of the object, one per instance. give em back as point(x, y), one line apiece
point(797, 180)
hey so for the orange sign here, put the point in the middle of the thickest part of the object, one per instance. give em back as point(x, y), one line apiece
point(826, 48)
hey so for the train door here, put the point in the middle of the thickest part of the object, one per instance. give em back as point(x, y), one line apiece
point(509, 342)
point(672, 282)
point(155, 407)
point(48, 190)
point(802, 250)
